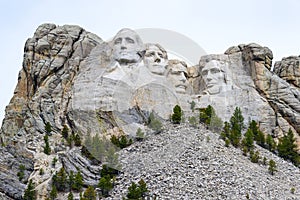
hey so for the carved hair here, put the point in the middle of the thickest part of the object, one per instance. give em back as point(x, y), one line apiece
point(164, 52)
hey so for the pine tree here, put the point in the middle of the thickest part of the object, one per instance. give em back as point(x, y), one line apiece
point(248, 140)
point(65, 132)
point(47, 149)
point(254, 128)
point(177, 114)
point(272, 167)
point(78, 182)
point(77, 140)
point(154, 123)
point(143, 187)
point(287, 148)
point(105, 184)
point(53, 193)
point(71, 180)
point(260, 139)
point(48, 128)
point(60, 180)
point(271, 145)
point(70, 196)
point(90, 193)
point(236, 126)
point(134, 192)
point(30, 193)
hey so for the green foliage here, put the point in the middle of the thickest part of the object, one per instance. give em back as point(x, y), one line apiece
point(140, 134)
point(65, 132)
point(47, 149)
point(226, 131)
point(264, 161)
point(77, 140)
point(137, 191)
point(106, 185)
point(193, 121)
point(54, 161)
point(53, 193)
point(237, 121)
point(293, 190)
point(287, 148)
point(209, 117)
point(154, 123)
point(78, 182)
point(253, 126)
point(89, 193)
point(70, 196)
point(60, 180)
point(41, 172)
point(271, 145)
point(254, 156)
point(248, 140)
point(48, 128)
point(21, 173)
point(177, 114)
point(227, 142)
point(30, 193)
point(272, 167)
point(121, 142)
point(261, 139)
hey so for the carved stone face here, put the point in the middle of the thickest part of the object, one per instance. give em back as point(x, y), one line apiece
point(156, 59)
point(214, 76)
point(126, 46)
point(177, 76)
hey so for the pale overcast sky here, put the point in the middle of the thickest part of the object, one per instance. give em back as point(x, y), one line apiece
point(214, 25)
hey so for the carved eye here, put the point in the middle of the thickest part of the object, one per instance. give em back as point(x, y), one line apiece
point(204, 72)
point(214, 71)
point(130, 41)
point(118, 41)
point(160, 55)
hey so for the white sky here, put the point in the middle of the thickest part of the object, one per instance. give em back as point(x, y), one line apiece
point(214, 25)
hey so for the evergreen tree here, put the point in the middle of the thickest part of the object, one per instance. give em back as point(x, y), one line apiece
point(48, 128)
point(143, 187)
point(21, 173)
point(47, 149)
point(77, 140)
point(272, 167)
point(105, 184)
point(260, 139)
point(78, 182)
point(254, 128)
point(193, 121)
point(30, 193)
point(248, 140)
point(254, 156)
point(53, 193)
point(134, 192)
point(123, 141)
point(271, 145)
point(237, 120)
point(177, 114)
point(71, 180)
point(65, 132)
point(193, 104)
point(54, 161)
point(287, 148)
point(226, 131)
point(89, 193)
point(70, 196)
point(60, 180)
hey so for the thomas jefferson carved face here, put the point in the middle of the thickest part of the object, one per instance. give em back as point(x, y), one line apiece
point(213, 75)
point(156, 59)
point(126, 47)
point(177, 76)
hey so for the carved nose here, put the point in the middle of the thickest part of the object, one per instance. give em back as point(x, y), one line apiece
point(157, 60)
point(182, 77)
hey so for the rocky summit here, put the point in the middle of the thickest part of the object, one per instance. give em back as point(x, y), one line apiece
point(82, 104)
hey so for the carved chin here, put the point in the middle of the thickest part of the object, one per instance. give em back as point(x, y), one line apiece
point(214, 90)
point(157, 69)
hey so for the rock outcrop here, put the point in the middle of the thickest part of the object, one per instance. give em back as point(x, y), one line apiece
point(73, 78)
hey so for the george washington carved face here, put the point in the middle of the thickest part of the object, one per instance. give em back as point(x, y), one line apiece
point(127, 46)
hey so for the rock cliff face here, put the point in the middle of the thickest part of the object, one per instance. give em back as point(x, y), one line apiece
point(72, 77)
